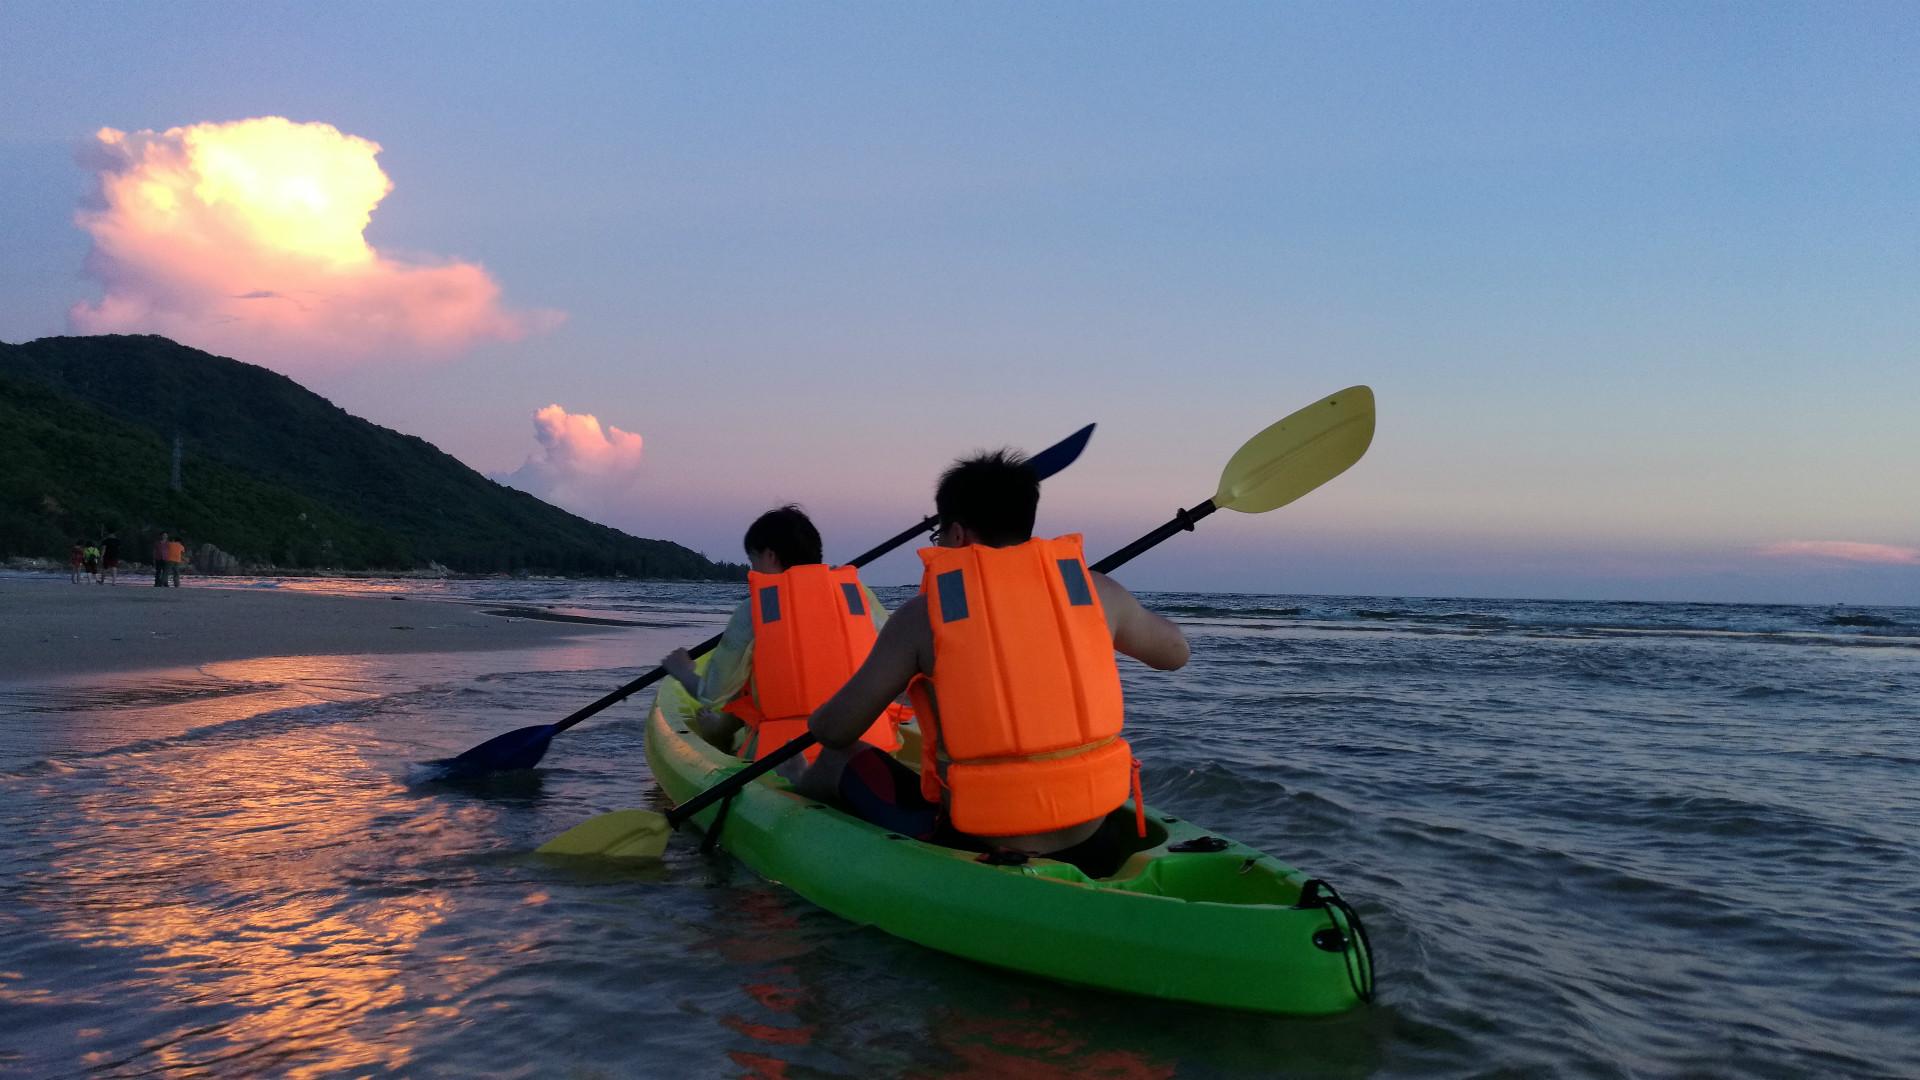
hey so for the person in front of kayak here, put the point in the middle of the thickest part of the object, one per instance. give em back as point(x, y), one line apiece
point(802, 630)
point(1008, 653)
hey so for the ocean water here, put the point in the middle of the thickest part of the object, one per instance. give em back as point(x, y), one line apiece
point(1588, 840)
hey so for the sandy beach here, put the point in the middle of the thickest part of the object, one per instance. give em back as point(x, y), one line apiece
point(51, 628)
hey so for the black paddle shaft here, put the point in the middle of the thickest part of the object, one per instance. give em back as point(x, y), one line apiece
point(678, 816)
point(712, 643)
point(637, 685)
point(1182, 522)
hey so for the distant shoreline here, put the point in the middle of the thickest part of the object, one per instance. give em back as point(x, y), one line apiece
point(54, 628)
point(23, 564)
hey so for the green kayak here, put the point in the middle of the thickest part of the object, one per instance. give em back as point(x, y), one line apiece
point(1188, 917)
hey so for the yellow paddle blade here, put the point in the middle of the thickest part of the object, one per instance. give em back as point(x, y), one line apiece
point(622, 834)
point(1299, 453)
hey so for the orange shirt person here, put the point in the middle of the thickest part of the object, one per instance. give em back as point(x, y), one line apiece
point(176, 554)
point(1010, 647)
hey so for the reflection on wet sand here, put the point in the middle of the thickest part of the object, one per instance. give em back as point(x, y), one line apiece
point(142, 711)
point(225, 866)
point(222, 871)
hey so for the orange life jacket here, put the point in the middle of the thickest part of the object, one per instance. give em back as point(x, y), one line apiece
point(1028, 691)
point(811, 630)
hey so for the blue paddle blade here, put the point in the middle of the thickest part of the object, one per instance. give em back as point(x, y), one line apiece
point(521, 748)
point(1060, 454)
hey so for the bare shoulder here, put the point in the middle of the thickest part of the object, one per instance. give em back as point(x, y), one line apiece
point(909, 632)
point(1113, 594)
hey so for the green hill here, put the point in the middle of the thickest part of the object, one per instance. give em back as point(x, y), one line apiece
point(272, 473)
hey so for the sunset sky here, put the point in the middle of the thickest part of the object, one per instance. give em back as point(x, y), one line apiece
point(1637, 286)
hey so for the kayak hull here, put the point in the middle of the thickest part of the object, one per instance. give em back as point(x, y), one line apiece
point(1214, 927)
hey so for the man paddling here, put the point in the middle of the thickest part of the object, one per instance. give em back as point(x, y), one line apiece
point(1008, 652)
point(802, 630)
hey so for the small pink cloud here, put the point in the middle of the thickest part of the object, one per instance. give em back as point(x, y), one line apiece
point(248, 238)
point(580, 464)
point(1844, 550)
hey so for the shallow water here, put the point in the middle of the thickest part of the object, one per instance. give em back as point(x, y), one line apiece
point(1588, 840)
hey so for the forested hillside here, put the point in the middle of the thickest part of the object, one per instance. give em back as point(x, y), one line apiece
point(272, 473)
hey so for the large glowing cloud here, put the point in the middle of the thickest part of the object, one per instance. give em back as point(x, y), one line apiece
point(247, 238)
point(1846, 551)
point(580, 464)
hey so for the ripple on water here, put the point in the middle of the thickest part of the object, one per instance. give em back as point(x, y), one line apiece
point(1579, 853)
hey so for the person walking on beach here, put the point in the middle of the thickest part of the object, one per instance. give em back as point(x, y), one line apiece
point(76, 558)
point(176, 554)
point(160, 549)
point(1018, 698)
point(91, 555)
point(801, 631)
point(110, 559)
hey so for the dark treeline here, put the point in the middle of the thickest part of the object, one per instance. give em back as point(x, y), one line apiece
point(272, 474)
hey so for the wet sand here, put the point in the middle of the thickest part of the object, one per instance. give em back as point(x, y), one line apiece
point(51, 628)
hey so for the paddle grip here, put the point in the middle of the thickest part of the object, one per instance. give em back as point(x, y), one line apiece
point(1182, 522)
point(641, 683)
point(678, 815)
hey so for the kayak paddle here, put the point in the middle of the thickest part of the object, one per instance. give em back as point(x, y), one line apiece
point(522, 748)
point(1275, 467)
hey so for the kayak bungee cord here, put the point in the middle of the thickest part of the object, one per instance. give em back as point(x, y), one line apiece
point(1359, 962)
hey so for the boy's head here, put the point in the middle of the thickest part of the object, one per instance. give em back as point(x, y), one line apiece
point(993, 496)
point(788, 534)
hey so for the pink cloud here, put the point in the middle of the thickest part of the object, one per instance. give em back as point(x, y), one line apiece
point(580, 464)
point(247, 238)
point(1845, 550)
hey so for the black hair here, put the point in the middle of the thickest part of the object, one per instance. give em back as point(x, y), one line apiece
point(788, 532)
point(994, 494)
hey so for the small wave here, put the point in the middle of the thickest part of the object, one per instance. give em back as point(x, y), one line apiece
point(1370, 613)
point(1209, 611)
point(242, 728)
point(1472, 617)
point(1860, 620)
point(1770, 692)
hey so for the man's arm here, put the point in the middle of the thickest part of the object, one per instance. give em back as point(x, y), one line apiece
point(1149, 638)
point(894, 661)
